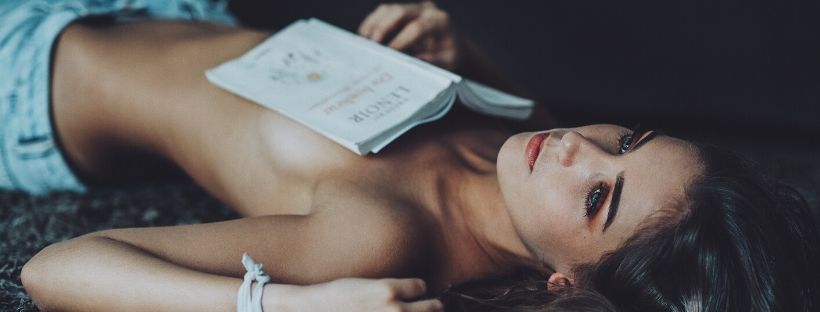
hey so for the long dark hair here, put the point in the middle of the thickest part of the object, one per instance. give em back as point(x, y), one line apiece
point(743, 242)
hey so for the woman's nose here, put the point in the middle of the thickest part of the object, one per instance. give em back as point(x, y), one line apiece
point(573, 144)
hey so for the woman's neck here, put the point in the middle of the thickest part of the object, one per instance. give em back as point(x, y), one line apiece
point(479, 240)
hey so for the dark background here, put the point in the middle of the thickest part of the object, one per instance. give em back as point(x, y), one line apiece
point(741, 74)
point(734, 66)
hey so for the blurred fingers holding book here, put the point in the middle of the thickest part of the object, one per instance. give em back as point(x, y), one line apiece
point(420, 29)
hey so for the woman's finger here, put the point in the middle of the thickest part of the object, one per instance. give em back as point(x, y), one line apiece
point(366, 27)
point(407, 289)
point(395, 16)
point(428, 57)
point(408, 36)
point(431, 305)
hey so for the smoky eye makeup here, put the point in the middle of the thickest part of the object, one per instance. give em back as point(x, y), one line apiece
point(626, 140)
point(598, 191)
point(595, 197)
point(631, 140)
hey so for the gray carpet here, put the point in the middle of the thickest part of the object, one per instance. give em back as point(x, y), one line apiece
point(27, 224)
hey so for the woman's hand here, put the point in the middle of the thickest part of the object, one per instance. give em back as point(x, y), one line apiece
point(356, 294)
point(421, 29)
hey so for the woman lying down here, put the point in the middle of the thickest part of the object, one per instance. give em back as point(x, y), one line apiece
point(601, 217)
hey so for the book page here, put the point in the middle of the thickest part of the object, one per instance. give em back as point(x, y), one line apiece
point(487, 100)
point(341, 90)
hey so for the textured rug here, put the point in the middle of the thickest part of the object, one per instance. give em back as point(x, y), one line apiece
point(28, 224)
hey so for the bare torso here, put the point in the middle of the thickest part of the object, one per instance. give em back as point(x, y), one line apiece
point(257, 161)
point(405, 181)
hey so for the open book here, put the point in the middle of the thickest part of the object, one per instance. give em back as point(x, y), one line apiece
point(354, 91)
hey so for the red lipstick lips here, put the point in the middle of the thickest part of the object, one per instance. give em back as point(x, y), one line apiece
point(534, 148)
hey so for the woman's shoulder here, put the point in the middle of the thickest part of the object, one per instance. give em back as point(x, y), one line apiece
point(395, 230)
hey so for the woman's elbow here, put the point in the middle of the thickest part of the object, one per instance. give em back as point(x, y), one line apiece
point(46, 274)
point(38, 274)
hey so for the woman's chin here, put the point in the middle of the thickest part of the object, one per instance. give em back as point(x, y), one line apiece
point(511, 165)
point(511, 155)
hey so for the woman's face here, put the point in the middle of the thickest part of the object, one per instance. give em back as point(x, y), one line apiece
point(581, 192)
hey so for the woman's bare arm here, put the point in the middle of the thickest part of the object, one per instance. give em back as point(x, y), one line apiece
point(198, 268)
point(102, 274)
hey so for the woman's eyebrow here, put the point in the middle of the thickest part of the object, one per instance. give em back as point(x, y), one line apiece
point(648, 137)
point(619, 183)
point(616, 199)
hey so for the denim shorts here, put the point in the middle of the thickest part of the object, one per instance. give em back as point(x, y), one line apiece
point(30, 159)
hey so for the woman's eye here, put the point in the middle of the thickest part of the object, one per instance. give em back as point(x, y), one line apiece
point(624, 143)
point(626, 140)
point(594, 199)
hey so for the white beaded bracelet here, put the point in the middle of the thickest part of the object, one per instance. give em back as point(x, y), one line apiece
point(247, 302)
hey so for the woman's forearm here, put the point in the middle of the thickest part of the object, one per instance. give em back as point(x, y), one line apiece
point(95, 273)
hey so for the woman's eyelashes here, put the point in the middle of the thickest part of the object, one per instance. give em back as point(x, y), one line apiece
point(596, 195)
point(626, 140)
point(624, 143)
point(595, 199)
